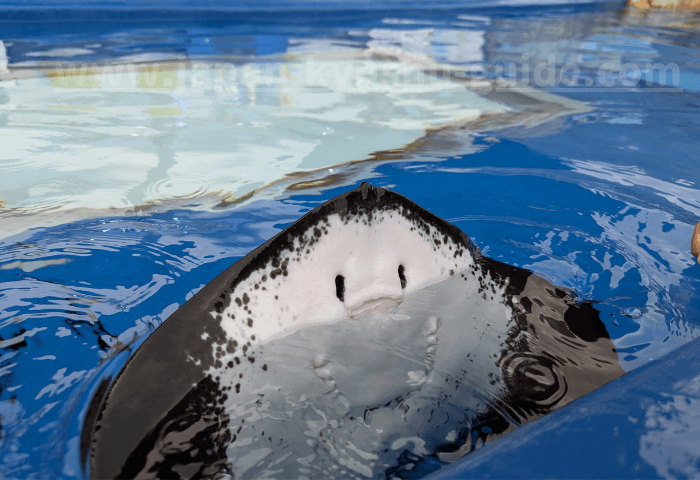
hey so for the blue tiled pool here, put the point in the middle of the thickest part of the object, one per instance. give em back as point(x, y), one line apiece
point(144, 148)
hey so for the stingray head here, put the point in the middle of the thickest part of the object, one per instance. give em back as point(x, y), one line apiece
point(359, 253)
point(380, 260)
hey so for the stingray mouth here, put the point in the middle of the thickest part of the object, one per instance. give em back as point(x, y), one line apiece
point(374, 305)
point(377, 297)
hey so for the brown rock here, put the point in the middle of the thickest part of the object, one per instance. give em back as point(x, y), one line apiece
point(695, 242)
point(665, 4)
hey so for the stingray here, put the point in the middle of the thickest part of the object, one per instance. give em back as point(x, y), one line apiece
point(368, 334)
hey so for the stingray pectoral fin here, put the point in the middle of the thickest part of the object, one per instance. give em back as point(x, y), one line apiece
point(513, 278)
point(155, 380)
point(566, 353)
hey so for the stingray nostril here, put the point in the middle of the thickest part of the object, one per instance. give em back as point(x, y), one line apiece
point(340, 287)
point(402, 276)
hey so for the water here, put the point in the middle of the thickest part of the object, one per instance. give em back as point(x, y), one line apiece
point(595, 189)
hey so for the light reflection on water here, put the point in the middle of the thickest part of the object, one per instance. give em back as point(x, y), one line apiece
point(602, 203)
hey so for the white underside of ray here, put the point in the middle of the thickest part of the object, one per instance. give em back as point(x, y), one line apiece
point(366, 255)
point(321, 381)
point(324, 367)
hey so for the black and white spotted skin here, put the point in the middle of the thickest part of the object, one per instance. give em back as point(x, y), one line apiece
point(368, 260)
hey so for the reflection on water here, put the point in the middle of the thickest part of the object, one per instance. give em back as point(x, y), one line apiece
point(125, 136)
point(115, 137)
point(203, 133)
point(670, 445)
point(602, 202)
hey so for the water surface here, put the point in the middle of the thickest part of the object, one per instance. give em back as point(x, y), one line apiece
point(601, 200)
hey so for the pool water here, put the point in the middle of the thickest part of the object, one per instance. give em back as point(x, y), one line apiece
point(546, 133)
